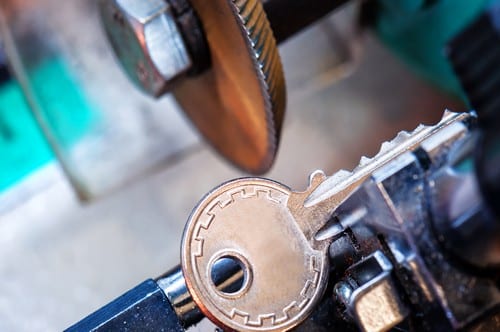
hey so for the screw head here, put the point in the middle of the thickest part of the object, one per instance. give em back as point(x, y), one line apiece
point(147, 42)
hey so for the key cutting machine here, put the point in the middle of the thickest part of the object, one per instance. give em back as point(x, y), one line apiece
point(409, 240)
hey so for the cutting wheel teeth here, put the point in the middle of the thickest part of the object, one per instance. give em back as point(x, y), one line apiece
point(267, 57)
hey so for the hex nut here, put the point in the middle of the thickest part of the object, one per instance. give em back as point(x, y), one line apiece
point(149, 45)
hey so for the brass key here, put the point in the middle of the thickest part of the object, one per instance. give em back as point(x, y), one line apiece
point(284, 270)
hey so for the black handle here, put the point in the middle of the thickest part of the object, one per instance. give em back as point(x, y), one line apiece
point(144, 308)
point(288, 17)
point(4, 72)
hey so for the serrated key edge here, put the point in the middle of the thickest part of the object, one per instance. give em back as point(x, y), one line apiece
point(342, 180)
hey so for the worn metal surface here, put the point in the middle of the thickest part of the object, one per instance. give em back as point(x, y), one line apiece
point(147, 41)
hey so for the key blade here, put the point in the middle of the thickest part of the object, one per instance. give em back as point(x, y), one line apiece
point(338, 187)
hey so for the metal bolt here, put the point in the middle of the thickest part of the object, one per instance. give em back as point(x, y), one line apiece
point(145, 37)
point(343, 292)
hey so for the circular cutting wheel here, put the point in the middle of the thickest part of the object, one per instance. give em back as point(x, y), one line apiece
point(238, 104)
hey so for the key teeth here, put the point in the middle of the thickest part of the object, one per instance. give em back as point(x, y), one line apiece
point(340, 176)
point(419, 128)
point(384, 147)
point(362, 163)
point(401, 137)
point(447, 113)
point(364, 160)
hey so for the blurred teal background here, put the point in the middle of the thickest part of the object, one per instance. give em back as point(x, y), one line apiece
point(417, 31)
point(23, 147)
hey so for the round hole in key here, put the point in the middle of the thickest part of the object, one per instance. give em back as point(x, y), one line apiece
point(229, 275)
